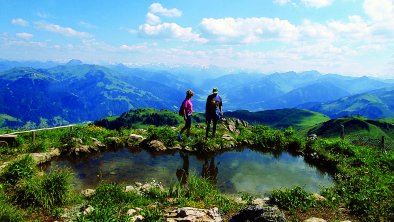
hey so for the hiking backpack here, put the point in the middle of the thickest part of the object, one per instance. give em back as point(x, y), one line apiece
point(181, 109)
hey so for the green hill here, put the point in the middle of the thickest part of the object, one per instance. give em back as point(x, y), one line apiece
point(355, 127)
point(374, 104)
point(281, 118)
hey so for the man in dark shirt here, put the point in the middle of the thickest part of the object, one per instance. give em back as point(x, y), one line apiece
point(213, 111)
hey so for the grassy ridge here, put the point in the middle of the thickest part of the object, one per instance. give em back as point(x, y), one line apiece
point(354, 126)
point(281, 118)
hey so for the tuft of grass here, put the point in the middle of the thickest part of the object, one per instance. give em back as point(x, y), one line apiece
point(199, 192)
point(23, 168)
point(7, 211)
point(162, 133)
point(293, 199)
point(48, 191)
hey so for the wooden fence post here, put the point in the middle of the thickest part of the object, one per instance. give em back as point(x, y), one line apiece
point(33, 136)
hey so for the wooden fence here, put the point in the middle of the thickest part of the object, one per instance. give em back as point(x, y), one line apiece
point(7, 138)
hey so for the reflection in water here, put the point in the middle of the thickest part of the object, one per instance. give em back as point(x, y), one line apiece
point(183, 173)
point(240, 171)
point(210, 170)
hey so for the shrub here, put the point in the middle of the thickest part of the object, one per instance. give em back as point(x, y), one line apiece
point(293, 199)
point(164, 134)
point(7, 211)
point(23, 168)
point(47, 191)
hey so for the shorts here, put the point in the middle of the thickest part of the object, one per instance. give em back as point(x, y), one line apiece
point(188, 122)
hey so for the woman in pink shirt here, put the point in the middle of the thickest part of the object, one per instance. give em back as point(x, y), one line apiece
point(187, 113)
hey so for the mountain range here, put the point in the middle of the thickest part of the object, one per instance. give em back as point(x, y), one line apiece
point(75, 92)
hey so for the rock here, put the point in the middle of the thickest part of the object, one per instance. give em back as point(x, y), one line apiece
point(131, 212)
point(258, 213)
point(76, 140)
point(3, 165)
point(156, 145)
point(135, 139)
point(79, 150)
point(311, 137)
point(194, 214)
point(140, 188)
point(229, 141)
point(176, 147)
point(137, 218)
point(141, 131)
point(314, 219)
point(88, 192)
point(45, 157)
point(88, 210)
point(190, 149)
point(97, 144)
point(318, 197)
point(233, 125)
point(260, 201)
point(114, 142)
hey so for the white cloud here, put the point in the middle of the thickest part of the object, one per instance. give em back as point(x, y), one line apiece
point(379, 10)
point(24, 35)
point(312, 31)
point(66, 31)
point(355, 27)
point(282, 2)
point(171, 31)
point(152, 19)
point(249, 30)
point(133, 47)
point(317, 3)
point(157, 8)
point(20, 22)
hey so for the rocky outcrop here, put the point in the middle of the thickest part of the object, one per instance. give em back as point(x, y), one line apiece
point(135, 139)
point(259, 213)
point(233, 125)
point(145, 188)
point(45, 157)
point(156, 145)
point(189, 214)
point(230, 142)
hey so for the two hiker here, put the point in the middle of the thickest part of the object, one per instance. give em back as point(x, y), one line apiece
point(213, 112)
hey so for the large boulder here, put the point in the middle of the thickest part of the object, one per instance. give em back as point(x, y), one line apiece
point(45, 157)
point(194, 214)
point(233, 125)
point(156, 145)
point(135, 139)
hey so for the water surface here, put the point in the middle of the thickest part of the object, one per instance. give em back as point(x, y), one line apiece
point(233, 172)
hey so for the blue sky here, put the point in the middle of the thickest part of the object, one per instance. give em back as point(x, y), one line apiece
point(350, 37)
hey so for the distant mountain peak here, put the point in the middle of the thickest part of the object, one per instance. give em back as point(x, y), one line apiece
point(74, 62)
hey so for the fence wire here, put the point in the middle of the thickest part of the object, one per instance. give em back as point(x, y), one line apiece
point(377, 142)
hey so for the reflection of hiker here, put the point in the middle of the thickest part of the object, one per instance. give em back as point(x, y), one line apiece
point(183, 173)
point(214, 101)
point(187, 111)
point(210, 171)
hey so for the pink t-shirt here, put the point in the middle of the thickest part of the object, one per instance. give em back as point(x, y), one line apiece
point(188, 105)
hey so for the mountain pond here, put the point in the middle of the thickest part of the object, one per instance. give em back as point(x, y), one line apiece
point(243, 170)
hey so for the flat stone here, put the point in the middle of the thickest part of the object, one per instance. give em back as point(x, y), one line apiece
point(315, 219)
point(88, 192)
